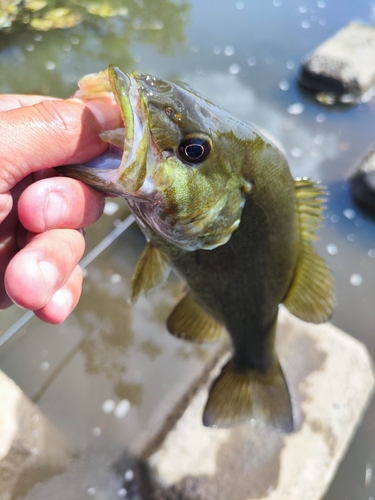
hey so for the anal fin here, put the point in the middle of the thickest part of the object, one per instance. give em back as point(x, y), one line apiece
point(240, 395)
point(151, 272)
point(190, 321)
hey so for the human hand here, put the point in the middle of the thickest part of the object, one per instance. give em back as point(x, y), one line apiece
point(41, 213)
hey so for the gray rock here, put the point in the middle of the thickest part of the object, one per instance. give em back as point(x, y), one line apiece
point(344, 65)
point(331, 379)
point(362, 182)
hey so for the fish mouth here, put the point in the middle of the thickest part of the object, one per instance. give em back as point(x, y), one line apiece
point(122, 169)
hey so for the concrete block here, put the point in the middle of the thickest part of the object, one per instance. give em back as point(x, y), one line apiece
point(31, 448)
point(331, 378)
point(343, 65)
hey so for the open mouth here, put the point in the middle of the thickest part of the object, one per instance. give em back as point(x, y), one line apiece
point(122, 169)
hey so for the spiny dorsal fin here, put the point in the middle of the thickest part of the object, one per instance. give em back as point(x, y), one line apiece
point(151, 272)
point(311, 295)
point(190, 321)
point(240, 395)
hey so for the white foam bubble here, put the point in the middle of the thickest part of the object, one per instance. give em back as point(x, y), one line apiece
point(356, 279)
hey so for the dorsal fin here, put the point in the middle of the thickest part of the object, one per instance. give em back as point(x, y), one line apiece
point(190, 321)
point(311, 295)
point(151, 272)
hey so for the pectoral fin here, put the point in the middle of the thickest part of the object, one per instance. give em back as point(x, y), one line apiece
point(151, 272)
point(311, 295)
point(190, 321)
point(240, 395)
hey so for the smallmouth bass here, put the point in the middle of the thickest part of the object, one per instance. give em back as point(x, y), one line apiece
point(217, 203)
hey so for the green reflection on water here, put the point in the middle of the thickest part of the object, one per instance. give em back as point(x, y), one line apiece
point(48, 46)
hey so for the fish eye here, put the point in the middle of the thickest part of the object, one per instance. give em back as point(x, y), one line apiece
point(194, 149)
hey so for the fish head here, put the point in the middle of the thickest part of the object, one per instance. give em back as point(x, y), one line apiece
point(178, 161)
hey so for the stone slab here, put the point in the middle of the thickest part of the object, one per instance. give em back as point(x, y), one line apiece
point(331, 379)
point(343, 65)
point(31, 448)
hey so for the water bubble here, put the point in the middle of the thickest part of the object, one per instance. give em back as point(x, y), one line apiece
point(240, 5)
point(334, 218)
point(35, 419)
point(30, 47)
point(332, 249)
point(351, 237)
point(108, 406)
point(110, 208)
point(319, 139)
point(276, 3)
point(217, 49)
point(199, 70)
point(50, 65)
point(296, 152)
point(349, 213)
point(44, 366)
point(356, 279)
point(229, 50)
point(284, 85)
point(91, 491)
point(321, 4)
point(322, 22)
point(115, 278)
point(129, 475)
point(371, 253)
point(296, 108)
point(34, 451)
point(38, 37)
point(290, 64)
point(252, 61)
point(320, 118)
point(74, 40)
point(122, 493)
point(234, 69)
point(302, 9)
point(67, 47)
point(195, 48)
point(368, 475)
point(305, 24)
point(122, 409)
point(96, 431)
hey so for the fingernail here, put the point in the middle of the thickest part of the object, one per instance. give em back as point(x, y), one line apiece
point(106, 112)
point(55, 209)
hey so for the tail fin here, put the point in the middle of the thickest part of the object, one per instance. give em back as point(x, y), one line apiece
point(237, 396)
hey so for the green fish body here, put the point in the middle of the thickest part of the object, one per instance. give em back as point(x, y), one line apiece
point(217, 203)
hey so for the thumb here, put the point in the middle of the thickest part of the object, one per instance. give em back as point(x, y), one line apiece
point(52, 133)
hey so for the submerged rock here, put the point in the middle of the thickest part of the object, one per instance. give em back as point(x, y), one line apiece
point(362, 182)
point(343, 66)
